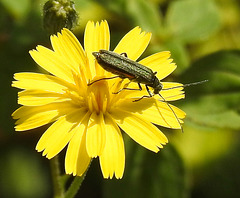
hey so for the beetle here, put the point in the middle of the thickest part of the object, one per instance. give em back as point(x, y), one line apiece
point(124, 67)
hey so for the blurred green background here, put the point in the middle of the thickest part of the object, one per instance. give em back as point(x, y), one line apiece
point(204, 39)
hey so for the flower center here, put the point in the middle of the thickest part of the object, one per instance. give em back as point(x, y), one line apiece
point(98, 97)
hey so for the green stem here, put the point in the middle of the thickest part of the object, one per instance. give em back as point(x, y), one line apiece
point(59, 181)
point(76, 184)
point(58, 186)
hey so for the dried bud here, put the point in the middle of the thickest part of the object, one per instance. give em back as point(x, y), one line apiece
point(58, 14)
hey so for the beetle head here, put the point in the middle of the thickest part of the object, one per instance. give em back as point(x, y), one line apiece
point(96, 54)
point(157, 85)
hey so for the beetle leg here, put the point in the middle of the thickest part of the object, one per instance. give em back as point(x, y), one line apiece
point(102, 79)
point(126, 88)
point(163, 100)
point(124, 54)
point(149, 96)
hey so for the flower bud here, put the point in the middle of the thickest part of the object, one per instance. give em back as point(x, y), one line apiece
point(59, 14)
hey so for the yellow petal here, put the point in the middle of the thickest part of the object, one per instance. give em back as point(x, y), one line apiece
point(170, 85)
point(37, 98)
point(159, 63)
point(68, 47)
point(154, 111)
point(40, 81)
point(96, 37)
point(133, 43)
point(115, 87)
point(172, 91)
point(58, 134)
point(140, 130)
point(52, 62)
point(112, 160)
point(170, 115)
point(96, 135)
point(77, 159)
point(33, 117)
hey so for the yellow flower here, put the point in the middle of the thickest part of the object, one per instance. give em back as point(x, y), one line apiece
point(88, 119)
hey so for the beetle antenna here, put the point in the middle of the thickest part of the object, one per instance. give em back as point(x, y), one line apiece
point(187, 85)
point(195, 83)
point(171, 110)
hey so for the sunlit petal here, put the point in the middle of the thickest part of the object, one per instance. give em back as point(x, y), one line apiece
point(69, 49)
point(37, 98)
point(77, 159)
point(112, 159)
point(160, 63)
point(133, 43)
point(40, 82)
point(33, 117)
point(140, 130)
point(96, 136)
point(52, 63)
point(58, 135)
point(96, 37)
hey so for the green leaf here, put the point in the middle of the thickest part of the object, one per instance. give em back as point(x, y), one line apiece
point(179, 54)
point(145, 14)
point(117, 6)
point(193, 20)
point(138, 12)
point(19, 9)
point(216, 102)
point(149, 175)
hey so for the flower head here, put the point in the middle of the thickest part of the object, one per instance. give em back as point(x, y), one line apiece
point(88, 119)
